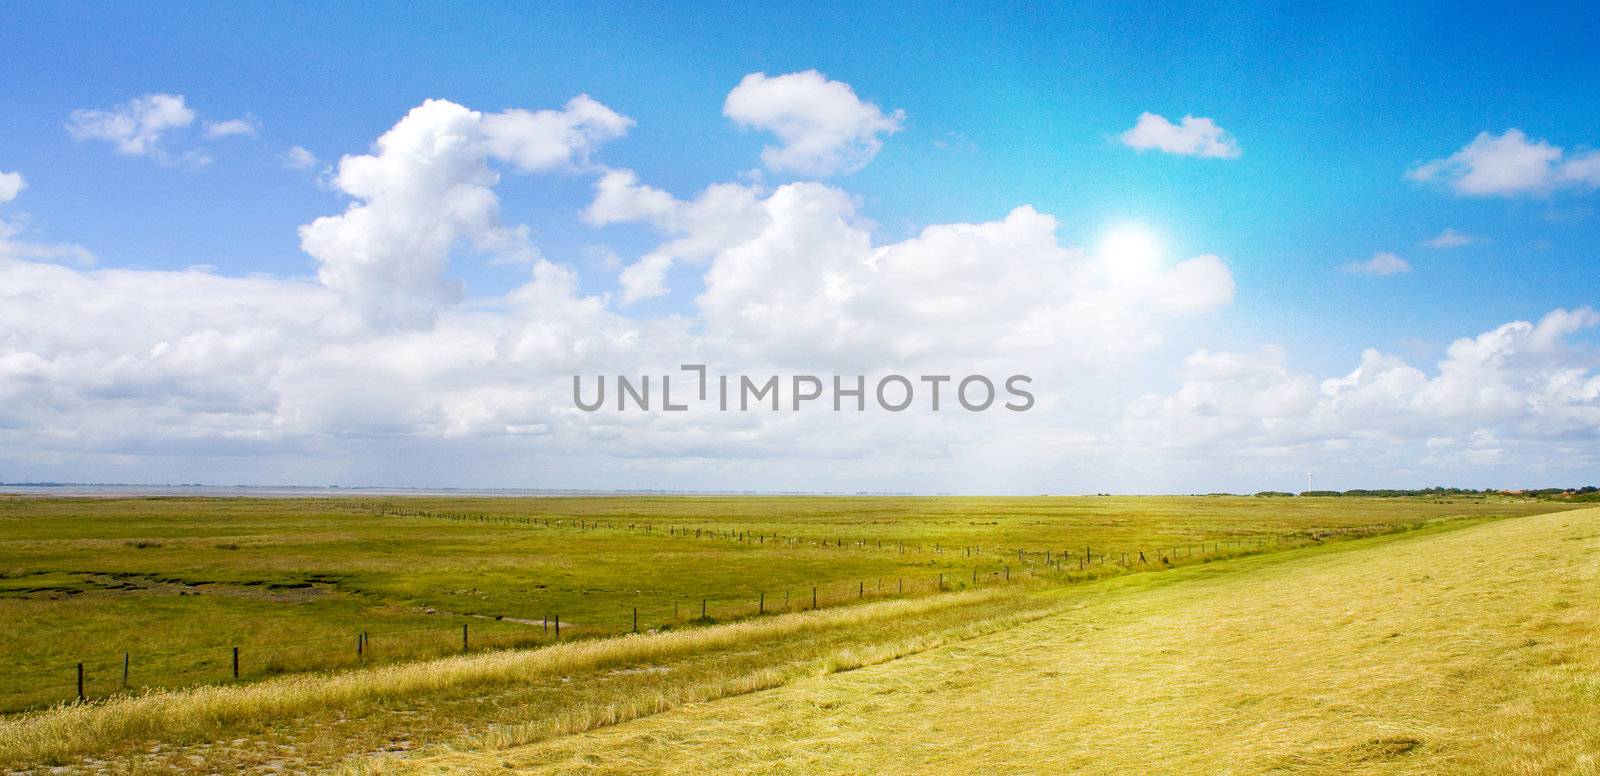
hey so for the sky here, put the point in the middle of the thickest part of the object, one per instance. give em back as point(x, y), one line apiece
point(1232, 246)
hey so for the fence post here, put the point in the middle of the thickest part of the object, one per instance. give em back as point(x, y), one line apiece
point(124, 670)
point(558, 626)
point(861, 590)
point(702, 608)
point(635, 619)
point(463, 637)
point(1008, 573)
point(902, 581)
point(813, 597)
point(761, 607)
point(236, 662)
point(941, 581)
point(360, 648)
point(80, 682)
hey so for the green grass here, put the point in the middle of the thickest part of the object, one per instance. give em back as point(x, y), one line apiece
point(177, 582)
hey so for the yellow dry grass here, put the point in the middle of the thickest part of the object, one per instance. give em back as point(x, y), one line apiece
point(1468, 651)
point(60, 734)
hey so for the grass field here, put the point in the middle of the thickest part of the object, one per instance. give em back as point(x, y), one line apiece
point(176, 583)
point(1472, 651)
point(164, 576)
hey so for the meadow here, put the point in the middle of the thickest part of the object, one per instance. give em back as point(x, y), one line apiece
point(175, 583)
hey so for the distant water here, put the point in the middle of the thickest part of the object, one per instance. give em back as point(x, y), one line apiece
point(285, 491)
point(304, 491)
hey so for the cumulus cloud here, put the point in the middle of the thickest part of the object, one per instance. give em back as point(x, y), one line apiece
point(1451, 238)
point(247, 126)
point(823, 127)
point(195, 366)
point(1510, 165)
point(794, 273)
point(429, 186)
point(723, 214)
point(1522, 386)
point(367, 374)
point(1192, 136)
point(11, 184)
point(194, 363)
point(136, 127)
point(1382, 263)
point(550, 139)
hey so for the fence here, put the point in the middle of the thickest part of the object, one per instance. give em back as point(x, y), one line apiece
point(122, 672)
point(117, 673)
point(777, 540)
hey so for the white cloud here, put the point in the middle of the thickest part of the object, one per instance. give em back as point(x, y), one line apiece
point(178, 376)
point(1451, 238)
point(11, 247)
point(1510, 165)
point(620, 198)
point(300, 158)
point(12, 227)
point(551, 139)
point(194, 367)
point(1522, 388)
point(246, 126)
point(11, 184)
point(824, 128)
point(793, 274)
point(645, 278)
point(1193, 136)
point(191, 361)
point(1381, 263)
point(722, 214)
point(428, 187)
point(136, 127)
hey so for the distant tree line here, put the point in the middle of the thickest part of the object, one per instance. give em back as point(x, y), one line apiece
point(1585, 493)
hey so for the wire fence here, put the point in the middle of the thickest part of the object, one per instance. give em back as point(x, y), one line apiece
point(777, 540)
point(105, 674)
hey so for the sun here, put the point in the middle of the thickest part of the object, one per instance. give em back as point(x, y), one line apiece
point(1130, 251)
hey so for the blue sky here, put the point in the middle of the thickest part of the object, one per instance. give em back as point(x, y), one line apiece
point(1330, 108)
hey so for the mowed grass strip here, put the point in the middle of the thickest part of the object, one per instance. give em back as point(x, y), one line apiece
point(1471, 651)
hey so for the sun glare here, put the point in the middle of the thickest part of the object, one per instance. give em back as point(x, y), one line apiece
point(1130, 251)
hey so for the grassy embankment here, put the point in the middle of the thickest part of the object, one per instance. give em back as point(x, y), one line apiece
point(1474, 651)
